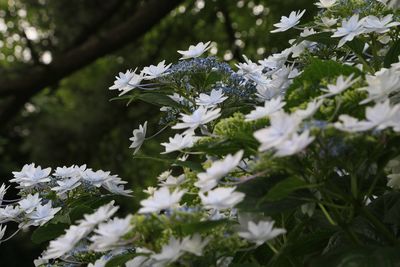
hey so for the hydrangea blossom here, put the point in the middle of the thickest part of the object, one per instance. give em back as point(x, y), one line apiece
point(261, 232)
point(326, 3)
point(209, 179)
point(195, 50)
point(288, 22)
point(138, 137)
point(215, 97)
point(127, 81)
point(349, 30)
point(161, 199)
point(153, 72)
point(269, 108)
point(200, 116)
point(221, 198)
point(109, 234)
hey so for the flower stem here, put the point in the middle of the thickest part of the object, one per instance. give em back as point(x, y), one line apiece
point(272, 248)
point(327, 215)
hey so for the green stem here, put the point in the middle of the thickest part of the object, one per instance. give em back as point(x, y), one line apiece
point(327, 215)
point(272, 248)
point(354, 186)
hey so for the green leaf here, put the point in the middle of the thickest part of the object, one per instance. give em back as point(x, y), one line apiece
point(120, 260)
point(77, 212)
point(308, 84)
point(357, 46)
point(285, 187)
point(322, 38)
point(360, 256)
point(258, 188)
point(200, 227)
point(392, 55)
point(158, 99)
point(387, 207)
point(195, 166)
point(48, 232)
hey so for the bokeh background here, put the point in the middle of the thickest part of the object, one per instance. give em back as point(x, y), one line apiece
point(58, 58)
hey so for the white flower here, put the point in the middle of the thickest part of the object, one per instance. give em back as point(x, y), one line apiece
point(42, 214)
point(295, 144)
point(102, 214)
point(30, 202)
point(341, 85)
point(311, 108)
point(394, 180)
point(169, 252)
point(215, 97)
point(109, 234)
point(100, 262)
point(179, 142)
point(3, 191)
point(9, 213)
point(138, 137)
point(194, 51)
point(115, 185)
point(269, 108)
point(65, 243)
point(67, 172)
point(2, 231)
point(194, 244)
point(172, 181)
point(164, 175)
point(126, 81)
point(276, 61)
point(153, 72)
point(261, 232)
point(96, 178)
point(327, 22)
point(40, 261)
point(282, 126)
point(161, 199)
point(199, 117)
point(381, 115)
point(350, 28)
point(221, 198)
point(299, 48)
point(289, 22)
point(326, 3)
point(251, 70)
point(266, 92)
point(382, 25)
point(140, 261)
point(381, 84)
point(307, 32)
point(209, 179)
point(66, 185)
point(178, 98)
point(349, 124)
point(150, 190)
point(31, 175)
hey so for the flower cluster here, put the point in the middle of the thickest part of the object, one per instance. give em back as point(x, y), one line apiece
point(44, 194)
point(297, 148)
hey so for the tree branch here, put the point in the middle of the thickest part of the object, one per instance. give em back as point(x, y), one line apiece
point(236, 51)
point(22, 87)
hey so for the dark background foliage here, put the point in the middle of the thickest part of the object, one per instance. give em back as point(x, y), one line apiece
point(58, 58)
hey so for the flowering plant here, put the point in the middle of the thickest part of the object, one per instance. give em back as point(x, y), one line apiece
point(293, 160)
